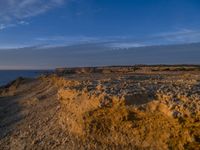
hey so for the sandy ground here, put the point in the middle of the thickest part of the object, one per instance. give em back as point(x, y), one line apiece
point(29, 119)
point(77, 111)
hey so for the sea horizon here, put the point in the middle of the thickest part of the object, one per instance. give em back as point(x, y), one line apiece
point(7, 76)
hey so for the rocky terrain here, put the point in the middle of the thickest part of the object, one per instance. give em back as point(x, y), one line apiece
point(132, 107)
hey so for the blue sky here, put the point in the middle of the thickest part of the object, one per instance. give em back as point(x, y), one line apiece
point(123, 23)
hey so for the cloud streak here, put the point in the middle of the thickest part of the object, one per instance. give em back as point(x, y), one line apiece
point(16, 10)
point(5, 26)
point(181, 36)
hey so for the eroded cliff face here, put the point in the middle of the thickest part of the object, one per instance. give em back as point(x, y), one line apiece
point(141, 111)
point(159, 110)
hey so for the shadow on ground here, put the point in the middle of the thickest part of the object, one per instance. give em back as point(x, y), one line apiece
point(9, 114)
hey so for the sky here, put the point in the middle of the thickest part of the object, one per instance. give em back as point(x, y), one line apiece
point(114, 23)
point(128, 22)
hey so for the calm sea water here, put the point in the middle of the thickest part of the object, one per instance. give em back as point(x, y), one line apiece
point(7, 76)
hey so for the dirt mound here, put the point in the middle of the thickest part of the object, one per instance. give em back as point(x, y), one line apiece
point(110, 121)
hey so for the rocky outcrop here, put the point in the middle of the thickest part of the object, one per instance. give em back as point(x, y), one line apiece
point(144, 111)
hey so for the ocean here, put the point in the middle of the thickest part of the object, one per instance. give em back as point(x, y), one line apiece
point(7, 76)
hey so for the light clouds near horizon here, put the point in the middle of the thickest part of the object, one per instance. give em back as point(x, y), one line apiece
point(117, 24)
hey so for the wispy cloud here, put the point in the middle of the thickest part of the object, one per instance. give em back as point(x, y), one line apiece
point(181, 36)
point(53, 41)
point(68, 38)
point(12, 12)
point(10, 25)
point(20, 9)
point(2, 26)
point(71, 40)
point(113, 42)
point(125, 45)
point(5, 26)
